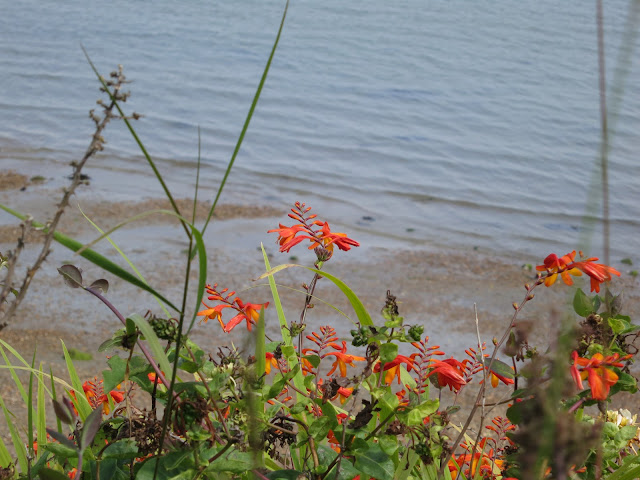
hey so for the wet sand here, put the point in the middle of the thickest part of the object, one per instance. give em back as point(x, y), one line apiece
point(436, 287)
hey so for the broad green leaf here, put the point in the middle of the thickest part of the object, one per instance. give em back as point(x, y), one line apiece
point(233, 461)
point(121, 450)
point(582, 304)
point(501, 368)
point(375, 463)
point(618, 325)
point(51, 474)
point(388, 352)
point(418, 414)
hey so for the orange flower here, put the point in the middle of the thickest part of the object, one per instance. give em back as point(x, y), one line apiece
point(393, 368)
point(343, 394)
point(96, 396)
point(289, 237)
point(598, 273)
point(330, 238)
point(595, 371)
point(565, 266)
point(562, 265)
point(496, 378)
point(450, 373)
point(342, 360)
point(246, 311)
point(272, 361)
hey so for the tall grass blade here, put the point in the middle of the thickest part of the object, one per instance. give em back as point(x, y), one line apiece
point(137, 140)
point(248, 119)
point(287, 349)
point(284, 327)
point(195, 193)
point(54, 396)
point(18, 445)
point(5, 456)
point(41, 420)
point(80, 401)
point(14, 376)
point(95, 258)
point(202, 273)
point(153, 341)
point(30, 405)
point(356, 303)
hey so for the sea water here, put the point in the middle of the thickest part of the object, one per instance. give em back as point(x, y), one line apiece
point(454, 123)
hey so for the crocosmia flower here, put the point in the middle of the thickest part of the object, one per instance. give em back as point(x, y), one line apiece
point(597, 371)
point(250, 312)
point(566, 266)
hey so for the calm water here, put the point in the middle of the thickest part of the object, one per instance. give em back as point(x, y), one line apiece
point(460, 123)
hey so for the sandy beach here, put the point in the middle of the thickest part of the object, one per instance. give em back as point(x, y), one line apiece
point(436, 287)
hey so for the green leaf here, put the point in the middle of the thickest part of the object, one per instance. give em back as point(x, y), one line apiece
point(502, 369)
point(94, 257)
point(618, 325)
point(61, 450)
point(320, 427)
point(81, 402)
point(375, 463)
point(233, 461)
point(388, 352)
point(90, 428)
point(121, 450)
point(582, 304)
point(285, 475)
point(50, 474)
point(356, 303)
point(153, 341)
point(418, 414)
point(114, 376)
point(249, 116)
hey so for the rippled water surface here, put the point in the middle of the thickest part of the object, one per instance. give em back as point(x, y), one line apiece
point(460, 123)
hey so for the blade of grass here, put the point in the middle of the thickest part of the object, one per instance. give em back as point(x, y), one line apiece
point(94, 257)
point(287, 350)
point(284, 327)
point(30, 405)
point(356, 303)
point(153, 341)
point(195, 193)
point(5, 456)
point(80, 401)
point(18, 445)
point(14, 376)
point(54, 396)
point(247, 120)
point(137, 140)
point(126, 259)
point(41, 421)
point(202, 273)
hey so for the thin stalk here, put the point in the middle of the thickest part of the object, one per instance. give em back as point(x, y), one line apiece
point(144, 349)
point(604, 132)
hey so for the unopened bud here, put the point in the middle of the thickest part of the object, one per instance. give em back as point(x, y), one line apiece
point(530, 296)
point(495, 341)
point(515, 306)
point(527, 287)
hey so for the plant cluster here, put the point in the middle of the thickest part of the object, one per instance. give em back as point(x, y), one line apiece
point(309, 405)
